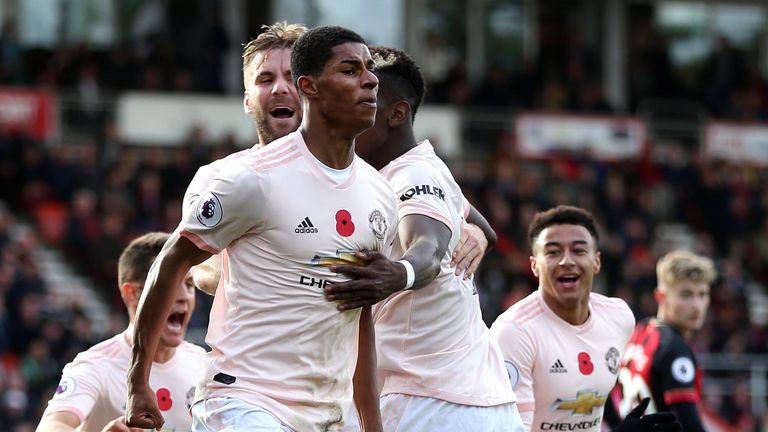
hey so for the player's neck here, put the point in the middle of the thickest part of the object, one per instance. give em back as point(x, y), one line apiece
point(399, 142)
point(407, 140)
point(332, 147)
point(576, 315)
point(687, 334)
point(163, 353)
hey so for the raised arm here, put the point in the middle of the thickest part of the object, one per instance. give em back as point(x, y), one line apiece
point(425, 242)
point(58, 421)
point(165, 276)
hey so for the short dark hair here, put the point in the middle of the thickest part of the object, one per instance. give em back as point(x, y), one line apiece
point(562, 215)
point(138, 256)
point(398, 74)
point(315, 47)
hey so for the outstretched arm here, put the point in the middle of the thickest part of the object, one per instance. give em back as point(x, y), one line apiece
point(58, 421)
point(165, 276)
point(366, 389)
point(477, 239)
point(424, 240)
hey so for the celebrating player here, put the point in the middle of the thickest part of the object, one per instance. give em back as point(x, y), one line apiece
point(563, 343)
point(441, 371)
point(282, 356)
point(270, 98)
point(91, 394)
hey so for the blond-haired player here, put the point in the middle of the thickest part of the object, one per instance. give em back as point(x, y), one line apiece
point(658, 362)
point(270, 98)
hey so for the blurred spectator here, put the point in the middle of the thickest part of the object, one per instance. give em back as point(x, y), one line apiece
point(437, 65)
point(724, 72)
point(10, 55)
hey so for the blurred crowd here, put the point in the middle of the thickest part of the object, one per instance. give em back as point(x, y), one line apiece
point(88, 196)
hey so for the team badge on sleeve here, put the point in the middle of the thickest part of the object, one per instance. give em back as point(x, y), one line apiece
point(683, 370)
point(209, 211)
point(65, 388)
point(514, 375)
point(378, 224)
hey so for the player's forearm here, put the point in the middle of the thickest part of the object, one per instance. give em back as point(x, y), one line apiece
point(425, 242)
point(476, 218)
point(58, 422)
point(165, 276)
point(366, 390)
point(425, 257)
point(54, 426)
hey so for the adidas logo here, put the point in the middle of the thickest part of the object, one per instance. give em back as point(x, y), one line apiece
point(558, 367)
point(306, 227)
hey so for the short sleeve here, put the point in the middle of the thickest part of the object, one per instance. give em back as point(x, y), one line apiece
point(231, 205)
point(196, 187)
point(519, 357)
point(677, 369)
point(423, 191)
point(78, 390)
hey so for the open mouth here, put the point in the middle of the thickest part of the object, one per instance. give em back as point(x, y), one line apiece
point(176, 321)
point(568, 281)
point(282, 113)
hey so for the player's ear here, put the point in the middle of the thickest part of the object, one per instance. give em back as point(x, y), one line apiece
point(534, 267)
point(306, 85)
point(597, 262)
point(399, 112)
point(130, 292)
point(658, 296)
point(247, 108)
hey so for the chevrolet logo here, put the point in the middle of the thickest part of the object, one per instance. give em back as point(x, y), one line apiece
point(343, 256)
point(584, 403)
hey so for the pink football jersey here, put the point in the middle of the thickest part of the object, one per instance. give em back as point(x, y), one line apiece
point(432, 341)
point(276, 341)
point(94, 386)
point(562, 373)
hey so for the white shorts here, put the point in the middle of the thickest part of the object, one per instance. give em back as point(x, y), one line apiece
point(401, 413)
point(406, 413)
point(231, 415)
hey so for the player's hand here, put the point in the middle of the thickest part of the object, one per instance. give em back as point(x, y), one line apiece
point(469, 251)
point(635, 421)
point(141, 409)
point(371, 282)
point(118, 425)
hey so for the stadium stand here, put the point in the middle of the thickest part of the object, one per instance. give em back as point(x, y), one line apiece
point(71, 204)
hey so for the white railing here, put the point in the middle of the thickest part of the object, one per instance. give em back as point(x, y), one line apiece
point(737, 366)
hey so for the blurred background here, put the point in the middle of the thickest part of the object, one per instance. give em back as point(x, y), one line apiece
point(651, 114)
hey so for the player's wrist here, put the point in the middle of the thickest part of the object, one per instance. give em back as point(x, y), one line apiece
point(410, 274)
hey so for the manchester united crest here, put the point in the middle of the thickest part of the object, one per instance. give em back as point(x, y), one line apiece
point(378, 224)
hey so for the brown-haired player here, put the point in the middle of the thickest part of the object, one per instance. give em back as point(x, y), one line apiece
point(92, 392)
